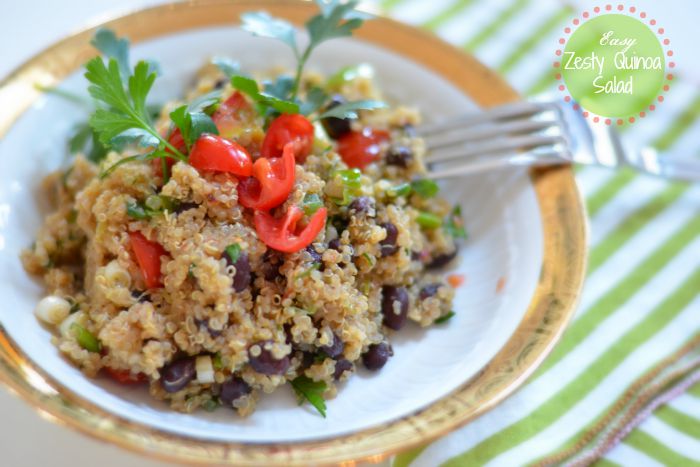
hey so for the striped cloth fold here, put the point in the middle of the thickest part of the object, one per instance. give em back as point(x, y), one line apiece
point(620, 387)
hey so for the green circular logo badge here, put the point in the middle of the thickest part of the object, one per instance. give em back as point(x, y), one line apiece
point(613, 66)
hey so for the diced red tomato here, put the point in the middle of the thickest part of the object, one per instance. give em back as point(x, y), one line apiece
point(212, 152)
point(148, 256)
point(125, 376)
point(271, 183)
point(231, 113)
point(360, 148)
point(283, 234)
point(178, 143)
point(285, 129)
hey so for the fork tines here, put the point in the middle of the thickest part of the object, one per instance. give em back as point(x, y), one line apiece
point(500, 134)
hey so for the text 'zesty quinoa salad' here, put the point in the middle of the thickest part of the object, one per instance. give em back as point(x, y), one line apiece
point(275, 229)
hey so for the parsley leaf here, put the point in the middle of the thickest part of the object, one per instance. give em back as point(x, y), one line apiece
point(262, 24)
point(233, 252)
point(315, 98)
point(454, 224)
point(307, 389)
point(111, 46)
point(264, 100)
point(227, 66)
point(349, 109)
point(126, 115)
point(192, 124)
point(311, 203)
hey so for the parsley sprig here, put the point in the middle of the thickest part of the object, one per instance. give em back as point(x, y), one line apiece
point(335, 19)
point(307, 389)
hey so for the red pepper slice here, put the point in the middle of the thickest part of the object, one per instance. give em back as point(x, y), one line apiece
point(271, 183)
point(360, 148)
point(148, 256)
point(212, 152)
point(124, 376)
point(285, 129)
point(282, 234)
point(231, 113)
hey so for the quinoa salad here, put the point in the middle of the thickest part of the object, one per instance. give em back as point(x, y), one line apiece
point(269, 230)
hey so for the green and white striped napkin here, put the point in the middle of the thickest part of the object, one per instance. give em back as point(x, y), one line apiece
point(625, 372)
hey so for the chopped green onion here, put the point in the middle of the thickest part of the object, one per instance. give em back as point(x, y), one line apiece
point(210, 405)
point(351, 180)
point(190, 270)
point(311, 203)
point(428, 220)
point(233, 252)
point(85, 338)
point(217, 362)
point(369, 258)
point(402, 189)
point(425, 188)
point(350, 73)
point(444, 319)
point(454, 225)
point(136, 211)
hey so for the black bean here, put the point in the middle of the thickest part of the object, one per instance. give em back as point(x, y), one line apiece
point(307, 359)
point(220, 83)
point(265, 362)
point(428, 291)
point(415, 255)
point(177, 374)
point(377, 355)
point(341, 366)
point(362, 205)
point(441, 260)
point(271, 266)
point(334, 244)
point(399, 156)
point(335, 349)
point(233, 389)
point(204, 324)
point(185, 206)
point(334, 126)
point(140, 296)
point(241, 280)
point(388, 246)
point(390, 296)
point(315, 255)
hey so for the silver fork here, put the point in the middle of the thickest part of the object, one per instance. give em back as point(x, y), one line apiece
point(541, 133)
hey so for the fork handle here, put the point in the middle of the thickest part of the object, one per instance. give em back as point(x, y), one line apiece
point(676, 168)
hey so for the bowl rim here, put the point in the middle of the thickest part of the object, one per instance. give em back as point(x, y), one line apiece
point(552, 306)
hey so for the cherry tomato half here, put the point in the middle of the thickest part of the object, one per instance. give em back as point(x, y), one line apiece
point(285, 129)
point(231, 113)
point(360, 148)
point(271, 183)
point(124, 376)
point(283, 235)
point(148, 256)
point(212, 152)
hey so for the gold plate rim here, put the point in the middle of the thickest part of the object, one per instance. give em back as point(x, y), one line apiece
point(552, 306)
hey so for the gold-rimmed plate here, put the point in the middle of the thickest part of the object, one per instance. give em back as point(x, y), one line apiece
point(524, 261)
